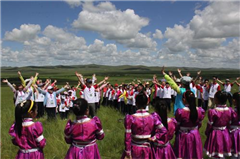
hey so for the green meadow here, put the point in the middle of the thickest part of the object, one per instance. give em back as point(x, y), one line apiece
point(112, 146)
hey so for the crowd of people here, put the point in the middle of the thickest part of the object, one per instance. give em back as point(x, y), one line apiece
point(147, 135)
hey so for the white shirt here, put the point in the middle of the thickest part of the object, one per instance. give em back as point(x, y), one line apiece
point(50, 102)
point(167, 92)
point(213, 90)
point(39, 97)
point(89, 94)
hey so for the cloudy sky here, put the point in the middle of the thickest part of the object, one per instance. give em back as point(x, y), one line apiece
point(182, 34)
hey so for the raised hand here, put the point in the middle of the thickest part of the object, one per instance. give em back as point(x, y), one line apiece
point(5, 81)
point(163, 68)
point(106, 78)
point(170, 73)
point(19, 73)
point(36, 74)
point(199, 72)
point(179, 71)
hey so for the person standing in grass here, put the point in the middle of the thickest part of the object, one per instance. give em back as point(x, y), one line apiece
point(140, 129)
point(26, 134)
point(162, 146)
point(218, 143)
point(188, 142)
point(83, 133)
point(227, 86)
point(235, 126)
point(213, 88)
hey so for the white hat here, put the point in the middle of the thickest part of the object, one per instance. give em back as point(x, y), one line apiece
point(66, 93)
point(178, 80)
point(50, 87)
point(185, 80)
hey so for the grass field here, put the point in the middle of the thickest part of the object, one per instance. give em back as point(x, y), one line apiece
point(112, 146)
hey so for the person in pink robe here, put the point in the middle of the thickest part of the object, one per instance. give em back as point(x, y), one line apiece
point(26, 134)
point(83, 133)
point(140, 129)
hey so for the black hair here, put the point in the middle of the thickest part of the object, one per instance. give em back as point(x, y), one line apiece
point(21, 111)
point(191, 100)
point(236, 97)
point(222, 97)
point(141, 100)
point(72, 86)
point(214, 77)
point(206, 80)
point(187, 86)
point(80, 106)
point(161, 109)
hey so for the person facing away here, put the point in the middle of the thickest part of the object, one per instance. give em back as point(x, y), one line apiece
point(26, 134)
point(235, 126)
point(83, 133)
point(140, 129)
point(188, 142)
point(218, 143)
point(162, 146)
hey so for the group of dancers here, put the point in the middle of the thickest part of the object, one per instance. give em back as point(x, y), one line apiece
point(147, 135)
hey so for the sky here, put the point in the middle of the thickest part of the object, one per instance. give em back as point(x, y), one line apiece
point(151, 33)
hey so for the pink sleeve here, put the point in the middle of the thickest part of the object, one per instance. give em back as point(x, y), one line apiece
point(83, 87)
point(160, 136)
point(95, 86)
point(68, 132)
point(210, 121)
point(178, 117)
point(201, 116)
point(99, 131)
point(171, 128)
point(38, 134)
point(13, 134)
point(128, 133)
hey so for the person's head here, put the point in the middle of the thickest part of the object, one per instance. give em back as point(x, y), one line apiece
point(163, 82)
point(140, 87)
point(20, 87)
point(206, 81)
point(116, 86)
point(189, 99)
point(185, 81)
point(220, 97)
point(227, 81)
point(167, 84)
point(188, 74)
point(72, 87)
point(178, 81)
point(88, 82)
point(50, 89)
point(130, 86)
point(236, 102)
point(25, 109)
point(141, 101)
point(214, 78)
point(80, 107)
point(161, 110)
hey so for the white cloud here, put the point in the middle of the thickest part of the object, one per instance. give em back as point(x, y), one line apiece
point(73, 3)
point(26, 32)
point(158, 34)
point(111, 24)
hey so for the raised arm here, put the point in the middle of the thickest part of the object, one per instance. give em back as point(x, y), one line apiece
point(104, 85)
point(80, 78)
point(29, 85)
point(39, 89)
point(170, 81)
point(22, 79)
point(9, 84)
point(105, 79)
point(35, 78)
point(219, 81)
point(62, 89)
point(198, 74)
point(179, 72)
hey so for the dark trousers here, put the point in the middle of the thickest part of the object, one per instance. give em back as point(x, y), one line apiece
point(173, 98)
point(168, 102)
point(122, 107)
point(91, 109)
point(115, 104)
point(40, 109)
point(51, 113)
point(104, 102)
point(205, 105)
point(200, 103)
point(129, 108)
point(62, 115)
point(230, 99)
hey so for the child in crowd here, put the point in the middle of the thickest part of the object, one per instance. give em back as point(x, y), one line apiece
point(218, 143)
point(140, 127)
point(83, 133)
point(188, 142)
point(26, 134)
point(162, 146)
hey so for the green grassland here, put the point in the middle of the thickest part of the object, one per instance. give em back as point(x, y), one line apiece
point(112, 146)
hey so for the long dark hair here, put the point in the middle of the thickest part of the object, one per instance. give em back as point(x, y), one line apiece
point(21, 111)
point(236, 97)
point(161, 109)
point(221, 97)
point(191, 100)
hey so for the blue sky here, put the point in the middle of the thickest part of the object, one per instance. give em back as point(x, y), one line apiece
point(176, 21)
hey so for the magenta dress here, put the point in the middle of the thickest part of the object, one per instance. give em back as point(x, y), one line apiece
point(82, 135)
point(162, 146)
point(31, 142)
point(218, 143)
point(139, 127)
point(235, 134)
point(188, 143)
